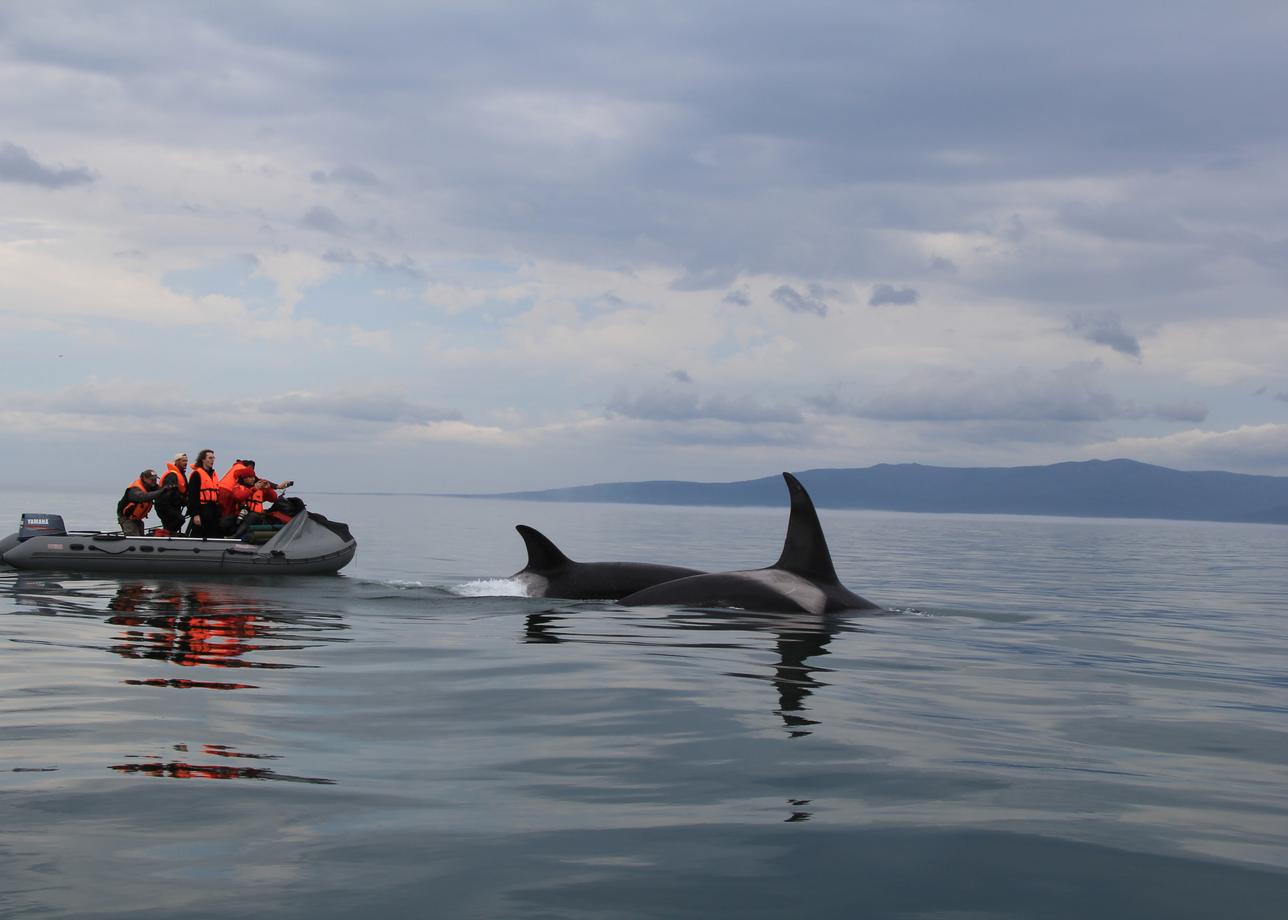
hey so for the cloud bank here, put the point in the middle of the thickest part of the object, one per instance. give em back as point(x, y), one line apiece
point(706, 242)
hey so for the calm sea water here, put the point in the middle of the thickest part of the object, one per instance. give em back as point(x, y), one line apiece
point(1064, 718)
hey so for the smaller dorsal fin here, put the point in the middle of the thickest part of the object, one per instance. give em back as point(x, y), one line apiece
point(542, 554)
point(805, 551)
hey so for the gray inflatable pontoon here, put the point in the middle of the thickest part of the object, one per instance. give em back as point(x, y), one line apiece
point(307, 545)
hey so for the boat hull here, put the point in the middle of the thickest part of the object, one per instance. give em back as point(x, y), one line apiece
point(303, 547)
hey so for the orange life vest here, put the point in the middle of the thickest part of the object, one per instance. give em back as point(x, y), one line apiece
point(232, 501)
point(130, 509)
point(234, 474)
point(255, 504)
point(208, 494)
point(179, 475)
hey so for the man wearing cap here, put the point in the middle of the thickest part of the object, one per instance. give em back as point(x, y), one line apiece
point(137, 502)
point(170, 506)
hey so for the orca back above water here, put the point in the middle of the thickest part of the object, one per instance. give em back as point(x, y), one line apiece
point(802, 580)
point(549, 573)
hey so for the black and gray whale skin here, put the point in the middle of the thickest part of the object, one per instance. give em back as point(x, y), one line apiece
point(549, 573)
point(802, 580)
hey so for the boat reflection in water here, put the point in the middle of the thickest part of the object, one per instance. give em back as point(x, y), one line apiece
point(231, 627)
point(183, 769)
point(208, 626)
point(189, 628)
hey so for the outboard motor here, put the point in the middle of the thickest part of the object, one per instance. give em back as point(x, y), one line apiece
point(41, 525)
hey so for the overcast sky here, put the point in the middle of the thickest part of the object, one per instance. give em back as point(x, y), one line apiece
point(490, 245)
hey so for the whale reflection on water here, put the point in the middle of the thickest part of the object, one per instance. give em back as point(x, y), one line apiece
point(799, 641)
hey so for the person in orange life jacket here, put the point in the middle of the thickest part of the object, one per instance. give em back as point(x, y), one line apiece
point(235, 491)
point(235, 474)
point(203, 497)
point(263, 496)
point(247, 493)
point(170, 506)
point(137, 502)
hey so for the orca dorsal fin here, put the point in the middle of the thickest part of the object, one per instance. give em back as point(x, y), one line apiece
point(805, 551)
point(542, 554)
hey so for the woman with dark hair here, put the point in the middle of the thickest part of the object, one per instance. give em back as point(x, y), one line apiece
point(203, 496)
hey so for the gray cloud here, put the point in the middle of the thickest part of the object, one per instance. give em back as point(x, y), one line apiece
point(1282, 395)
point(789, 298)
point(719, 433)
point(364, 407)
point(680, 375)
point(1126, 221)
point(1066, 395)
point(18, 165)
point(674, 405)
point(739, 297)
point(699, 141)
point(607, 302)
point(1184, 410)
point(325, 220)
point(113, 398)
point(1267, 253)
point(345, 174)
point(1105, 329)
point(341, 257)
point(374, 261)
point(706, 279)
point(1258, 448)
point(888, 294)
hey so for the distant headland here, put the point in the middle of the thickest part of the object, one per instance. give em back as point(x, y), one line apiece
point(1094, 488)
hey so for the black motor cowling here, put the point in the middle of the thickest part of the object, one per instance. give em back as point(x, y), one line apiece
point(41, 525)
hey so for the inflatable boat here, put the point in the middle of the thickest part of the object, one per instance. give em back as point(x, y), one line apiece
point(308, 544)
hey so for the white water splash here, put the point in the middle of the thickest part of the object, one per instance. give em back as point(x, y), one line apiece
point(491, 587)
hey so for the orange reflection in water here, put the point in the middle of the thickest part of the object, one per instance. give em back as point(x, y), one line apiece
point(191, 628)
point(210, 627)
point(184, 769)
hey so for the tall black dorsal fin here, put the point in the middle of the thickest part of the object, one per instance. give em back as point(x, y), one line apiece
point(805, 550)
point(542, 554)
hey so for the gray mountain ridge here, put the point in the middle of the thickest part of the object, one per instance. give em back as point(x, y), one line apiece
point(1092, 488)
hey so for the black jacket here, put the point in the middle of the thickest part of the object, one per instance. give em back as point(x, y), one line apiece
point(174, 498)
point(194, 493)
point(171, 477)
point(135, 496)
